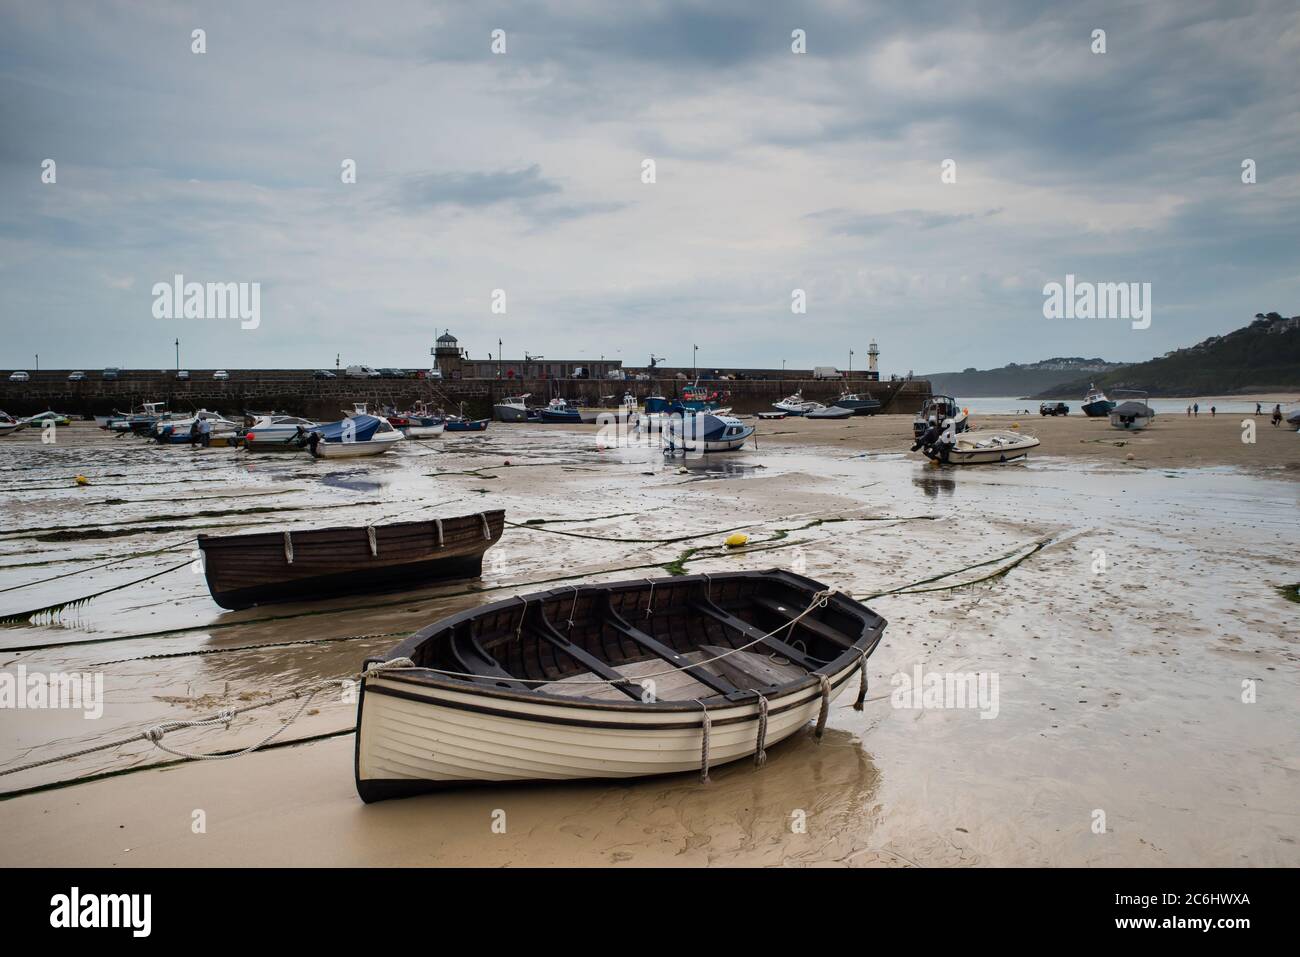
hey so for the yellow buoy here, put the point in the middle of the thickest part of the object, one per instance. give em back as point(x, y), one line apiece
point(1015, 425)
point(736, 539)
point(82, 480)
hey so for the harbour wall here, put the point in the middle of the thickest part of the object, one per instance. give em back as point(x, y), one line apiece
point(297, 391)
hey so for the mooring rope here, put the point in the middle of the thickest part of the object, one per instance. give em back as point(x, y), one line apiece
point(760, 755)
point(862, 683)
point(706, 727)
point(825, 708)
point(154, 734)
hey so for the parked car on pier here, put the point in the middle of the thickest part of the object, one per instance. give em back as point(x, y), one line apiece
point(111, 373)
point(77, 376)
point(323, 374)
point(221, 375)
point(360, 372)
point(19, 376)
point(183, 375)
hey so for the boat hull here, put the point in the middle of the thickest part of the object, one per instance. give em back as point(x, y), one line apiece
point(377, 445)
point(258, 568)
point(423, 431)
point(413, 739)
point(1099, 409)
point(510, 413)
point(476, 425)
point(860, 406)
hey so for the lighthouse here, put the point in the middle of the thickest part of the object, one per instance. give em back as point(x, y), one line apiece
point(873, 358)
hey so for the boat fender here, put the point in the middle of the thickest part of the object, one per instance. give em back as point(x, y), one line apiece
point(438, 524)
point(374, 541)
point(487, 529)
point(288, 548)
point(736, 540)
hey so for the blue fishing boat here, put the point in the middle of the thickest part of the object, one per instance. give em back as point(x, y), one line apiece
point(455, 424)
point(1095, 403)
point(559, 410)
point(705, 432)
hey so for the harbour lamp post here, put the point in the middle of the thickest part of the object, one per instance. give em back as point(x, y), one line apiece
point(850, 363)
point(695, 370)
point(38, 362)
point(498, 358)
point(178, 354)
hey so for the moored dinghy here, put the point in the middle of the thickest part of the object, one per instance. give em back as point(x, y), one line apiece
point(259, 567)
point(614, 680)
point(348, 438)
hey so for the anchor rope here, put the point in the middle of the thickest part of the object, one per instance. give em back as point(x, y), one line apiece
point(706, 727)
point(760, 755)
point(155, 733)
point(825, 708)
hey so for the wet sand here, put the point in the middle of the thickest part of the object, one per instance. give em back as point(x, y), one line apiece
point(1120, 691)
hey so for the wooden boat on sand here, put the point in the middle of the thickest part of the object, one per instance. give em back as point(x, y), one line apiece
point(614, 680)
point(259, 567)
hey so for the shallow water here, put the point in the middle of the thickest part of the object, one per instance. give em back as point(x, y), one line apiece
point(1119, 690)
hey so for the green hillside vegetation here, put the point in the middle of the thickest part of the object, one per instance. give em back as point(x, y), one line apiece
point(1015, 379)
point(1261, 357)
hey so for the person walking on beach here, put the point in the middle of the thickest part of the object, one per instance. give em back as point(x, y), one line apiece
point(1211, 411)
point(1196, 409)
point(194, 433)
point(1189, 411)
point(1277, 415)
point(1257, 408)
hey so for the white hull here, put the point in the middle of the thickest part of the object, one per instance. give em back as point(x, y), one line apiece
point(449, 736)
point(378, 445)
point(1136, 425)
point(423, 431)
point(997, 447)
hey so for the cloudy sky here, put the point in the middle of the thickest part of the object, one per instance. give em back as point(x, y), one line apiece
point(523, 172)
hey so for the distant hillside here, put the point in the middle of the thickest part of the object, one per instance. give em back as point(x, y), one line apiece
point(1017, 380)
point(1262, 357)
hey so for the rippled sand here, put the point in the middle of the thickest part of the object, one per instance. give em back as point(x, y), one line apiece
point(1120, 691)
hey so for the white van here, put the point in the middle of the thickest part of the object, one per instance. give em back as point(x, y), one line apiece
point(360, 372)
point(826, 372)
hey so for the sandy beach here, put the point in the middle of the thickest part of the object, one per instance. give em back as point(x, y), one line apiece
point(1148, 600)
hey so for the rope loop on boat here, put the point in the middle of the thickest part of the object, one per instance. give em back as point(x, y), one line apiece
point(374, 540)
point(574, 607)
point(487, 529)
point(706, 726)
point(826, 706)
point(288, 548)
point(650, 599)
point(760, 755)
point(862, 682)
point(519, 629)
point(437, 522)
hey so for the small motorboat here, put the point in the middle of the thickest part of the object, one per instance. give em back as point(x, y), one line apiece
point(1131, 416)
point(8, 424)
point(829, 412)
point(769, 416)
point(456, 424)
point(352, 437)
point(1095, 403)
point(512, 408)
point(180, 431)
point(940, 410)
point(40, 418)
point(616, 680)
point(259, 567)
point(275, 433)
point(796, 404)
point(980, 447)
point(423, 426)
point(704, 432)
point(358, 408)
point(858, 404)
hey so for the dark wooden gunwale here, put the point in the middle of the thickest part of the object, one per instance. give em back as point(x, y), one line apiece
point(866, 643)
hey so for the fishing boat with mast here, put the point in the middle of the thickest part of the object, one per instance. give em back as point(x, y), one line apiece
point(614, 680)
point(1095, 403)
point(858, 404)
point(796, 404)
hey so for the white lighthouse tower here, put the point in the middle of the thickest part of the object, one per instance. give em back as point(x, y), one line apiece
point(873, 357)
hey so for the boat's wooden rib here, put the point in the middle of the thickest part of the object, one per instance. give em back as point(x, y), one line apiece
point(258, 567)
point(547, 694)
point(750, 633)
point(716, 682)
